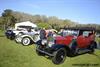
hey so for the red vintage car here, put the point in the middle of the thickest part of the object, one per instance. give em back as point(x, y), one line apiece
point(74, 41)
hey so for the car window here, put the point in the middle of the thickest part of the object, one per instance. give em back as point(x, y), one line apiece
point(86, 33)
point(70, 32)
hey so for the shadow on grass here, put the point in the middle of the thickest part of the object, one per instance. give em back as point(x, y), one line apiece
point(2, 35)
point(48, 57)
point(71, 56)
point(96, 55)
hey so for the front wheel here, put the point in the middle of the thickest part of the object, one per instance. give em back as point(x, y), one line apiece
point(59, 56)
point(26, 41)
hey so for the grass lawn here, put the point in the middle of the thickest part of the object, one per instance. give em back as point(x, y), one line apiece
point(98, 40)
point(17, 55)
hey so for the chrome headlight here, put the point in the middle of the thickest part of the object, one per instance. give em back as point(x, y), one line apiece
point(50, 43)
point(44, 42)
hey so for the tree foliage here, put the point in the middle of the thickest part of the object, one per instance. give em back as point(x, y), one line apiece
point(10, 17)
point(44, 25)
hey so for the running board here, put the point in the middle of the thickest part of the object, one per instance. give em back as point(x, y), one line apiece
point(45, 52)
point(83, 51)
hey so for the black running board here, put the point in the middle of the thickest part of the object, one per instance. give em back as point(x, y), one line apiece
point(45, 52)
point(83, 51)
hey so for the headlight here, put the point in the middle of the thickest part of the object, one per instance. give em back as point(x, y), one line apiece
point(50, 43)
point(44, 42)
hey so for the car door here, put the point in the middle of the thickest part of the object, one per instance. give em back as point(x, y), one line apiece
point(82, 40)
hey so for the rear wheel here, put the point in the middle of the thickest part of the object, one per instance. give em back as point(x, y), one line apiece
point(92, 47)
point(26, 41)
point(59, 56)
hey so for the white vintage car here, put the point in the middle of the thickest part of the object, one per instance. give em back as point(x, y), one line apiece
point(27, 38)
point(12, 33)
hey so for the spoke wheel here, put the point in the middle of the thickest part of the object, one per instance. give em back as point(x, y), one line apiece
point(26, 41)
point(59, 56)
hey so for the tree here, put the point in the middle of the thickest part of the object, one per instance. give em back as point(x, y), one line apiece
point(44, 25)
point(8, 18)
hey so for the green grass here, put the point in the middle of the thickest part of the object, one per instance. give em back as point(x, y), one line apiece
point(17, 55)
point(1, 33)
point(98, 39)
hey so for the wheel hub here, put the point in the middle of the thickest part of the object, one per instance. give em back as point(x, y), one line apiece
point(62, 56)
point(26, 41)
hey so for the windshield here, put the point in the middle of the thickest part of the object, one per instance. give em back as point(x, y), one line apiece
point(70, 32)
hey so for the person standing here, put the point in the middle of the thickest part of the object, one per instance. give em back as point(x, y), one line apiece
point(42, 34)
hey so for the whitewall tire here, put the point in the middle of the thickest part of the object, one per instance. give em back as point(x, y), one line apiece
point(26, 41)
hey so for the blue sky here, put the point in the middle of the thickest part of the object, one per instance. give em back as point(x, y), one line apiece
point(82, 11)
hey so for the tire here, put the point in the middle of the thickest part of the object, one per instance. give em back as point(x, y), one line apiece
point(92, 47)
point(39, 53)
point(59, 56)
point(26, 41)
point(12, 37)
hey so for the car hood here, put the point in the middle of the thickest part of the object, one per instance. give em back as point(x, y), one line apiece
point(63, 40)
